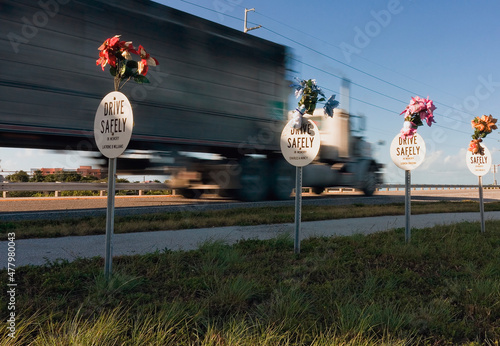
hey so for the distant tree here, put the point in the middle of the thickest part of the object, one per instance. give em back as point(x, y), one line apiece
point(63, 176)
point(50, 178)
point(59, 176)
point(19, 177)
point(88, 178)
point(37, 176)
point(71, 177)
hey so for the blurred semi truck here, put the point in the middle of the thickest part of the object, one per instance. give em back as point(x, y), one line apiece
point(344, 158)
point(215, 106)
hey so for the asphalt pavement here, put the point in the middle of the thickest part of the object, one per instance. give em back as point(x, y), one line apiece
point(41, 251)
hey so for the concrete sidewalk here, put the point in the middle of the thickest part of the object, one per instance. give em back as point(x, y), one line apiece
point(39, 251)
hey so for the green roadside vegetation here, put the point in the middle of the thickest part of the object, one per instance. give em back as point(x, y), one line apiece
point(443, 288)
point(68, 177)
point(62, 176)
point(229, 217)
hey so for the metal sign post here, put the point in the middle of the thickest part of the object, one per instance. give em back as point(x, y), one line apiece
point(481, 203)
point(480, 164)
point(113, 125)
point(299, 146)
point(298, 208)
point(110, 218)
point(407, 154)
point(407, 205)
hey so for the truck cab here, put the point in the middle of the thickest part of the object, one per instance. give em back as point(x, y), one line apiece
point(344, 159)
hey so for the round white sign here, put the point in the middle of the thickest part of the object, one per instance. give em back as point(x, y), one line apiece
point(113, 124)
point(300, 146)
point(408, 153)
point(479, 164)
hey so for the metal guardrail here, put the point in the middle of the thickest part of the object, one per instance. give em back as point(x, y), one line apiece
point(397, 187)
point(58, 187)
point(7, 187)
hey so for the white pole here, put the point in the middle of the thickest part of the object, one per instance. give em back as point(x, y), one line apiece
point(407, 205)
point(298, 207)
point(481, 203)
point(245, 28)
point(110, 219)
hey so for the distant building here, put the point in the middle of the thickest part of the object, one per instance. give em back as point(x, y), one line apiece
point(47, 171)
point(85, 171)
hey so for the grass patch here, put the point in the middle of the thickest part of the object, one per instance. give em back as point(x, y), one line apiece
point(441, 289)
point(231, 217)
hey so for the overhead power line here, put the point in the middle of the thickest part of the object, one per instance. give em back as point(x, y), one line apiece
point(358, 56)
point(343, 64)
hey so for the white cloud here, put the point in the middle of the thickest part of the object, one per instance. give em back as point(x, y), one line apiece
point(27, 153)
point(439, 168)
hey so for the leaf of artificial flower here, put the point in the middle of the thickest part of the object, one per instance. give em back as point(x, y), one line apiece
point(123, 69)
point(330, 105)
point(132, 64)
point(138, 78)
point(128, 72)
point(126, 54)
point(152, 61)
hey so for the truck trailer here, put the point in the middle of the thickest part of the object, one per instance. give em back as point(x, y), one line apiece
point(215, 106)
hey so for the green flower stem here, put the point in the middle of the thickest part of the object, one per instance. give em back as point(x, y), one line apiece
point(118, 77)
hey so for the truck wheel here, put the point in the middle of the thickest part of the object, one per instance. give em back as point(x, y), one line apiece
point(318, 190)
point(282, 180)
point(370, 184)
point(254, 183)
point(190, 193)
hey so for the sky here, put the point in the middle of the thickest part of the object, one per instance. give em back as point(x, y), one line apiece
point(391, 50)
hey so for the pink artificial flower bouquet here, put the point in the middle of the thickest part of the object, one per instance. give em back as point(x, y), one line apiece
point(418, 111)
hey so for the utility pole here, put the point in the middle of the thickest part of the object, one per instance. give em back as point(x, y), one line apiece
point(245, 29)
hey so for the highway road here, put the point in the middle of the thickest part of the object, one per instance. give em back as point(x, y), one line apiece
point(12, 209)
